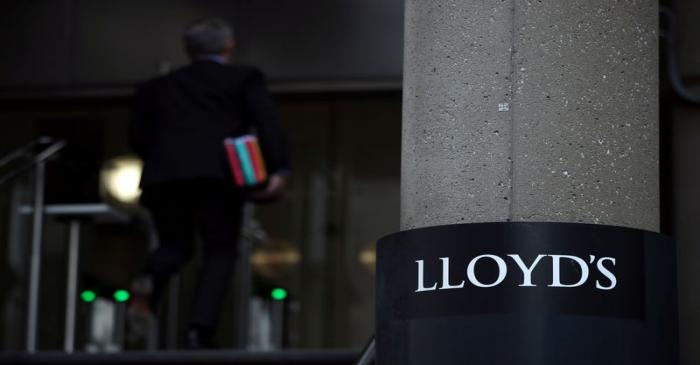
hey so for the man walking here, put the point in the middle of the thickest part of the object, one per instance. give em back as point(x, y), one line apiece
point(180, 121)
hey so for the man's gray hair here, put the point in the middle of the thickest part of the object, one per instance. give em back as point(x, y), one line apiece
point(207, 37)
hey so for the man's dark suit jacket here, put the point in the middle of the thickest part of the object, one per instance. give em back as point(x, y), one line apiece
point(180, 121)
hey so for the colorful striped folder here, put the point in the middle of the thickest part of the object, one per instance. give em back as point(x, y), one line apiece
point(246, 160)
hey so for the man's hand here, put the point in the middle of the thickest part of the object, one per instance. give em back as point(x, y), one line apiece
point(276, 184)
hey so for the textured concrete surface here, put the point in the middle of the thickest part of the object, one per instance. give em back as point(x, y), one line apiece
point(456, 144)
point(576, 137)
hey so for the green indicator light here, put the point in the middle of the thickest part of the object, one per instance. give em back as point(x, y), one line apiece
point(278, 294)
point(88, 296)
point(121, 295)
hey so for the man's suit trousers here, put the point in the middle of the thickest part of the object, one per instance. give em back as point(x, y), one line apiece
point(180, 209)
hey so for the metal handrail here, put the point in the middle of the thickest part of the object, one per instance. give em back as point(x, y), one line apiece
point(22, 151)
point(38, 163)
point(54, 147)
point(368, 356)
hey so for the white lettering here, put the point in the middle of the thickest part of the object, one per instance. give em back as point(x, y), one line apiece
point(421, 280)
point(502, 271)
point(556, 271)
point(603, 270)
point(446, 275)
point(604, 265)
point(527, 271)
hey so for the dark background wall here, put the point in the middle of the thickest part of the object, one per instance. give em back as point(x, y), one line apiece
point(682, 126)
point(71, 65)
point(84, 43)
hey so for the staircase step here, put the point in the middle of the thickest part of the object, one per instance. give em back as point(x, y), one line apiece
point(318, 357)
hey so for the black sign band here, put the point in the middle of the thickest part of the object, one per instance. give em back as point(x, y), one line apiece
point(523, 271)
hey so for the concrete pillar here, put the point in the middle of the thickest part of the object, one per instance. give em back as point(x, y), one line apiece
point(539, 110)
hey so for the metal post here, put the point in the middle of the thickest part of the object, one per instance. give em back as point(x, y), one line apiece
point(241, 320)
point(72, 284)
point(173, 315)
point(277, 314)
point(119, 327)
point(153, 338)
point(35, 258)
point(16, 253)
